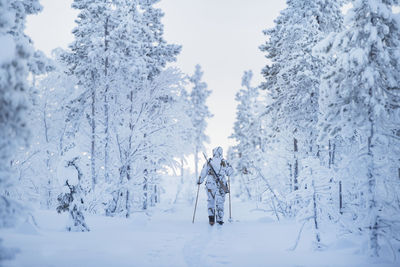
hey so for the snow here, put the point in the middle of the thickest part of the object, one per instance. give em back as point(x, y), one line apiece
point(28, 227)
point(147, 122)
point(67, 173)
point(166, 237)
point(7, 49)
point(358, 56)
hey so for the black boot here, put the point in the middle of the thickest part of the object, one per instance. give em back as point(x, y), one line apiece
point(211, 220)
point(220, 222)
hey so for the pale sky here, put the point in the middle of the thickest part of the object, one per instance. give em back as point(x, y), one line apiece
point(222, 36)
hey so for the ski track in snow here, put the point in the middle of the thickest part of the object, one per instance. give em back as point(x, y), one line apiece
point(218, 244)
point(168, 238)
point(206, 248)
point(193, 250)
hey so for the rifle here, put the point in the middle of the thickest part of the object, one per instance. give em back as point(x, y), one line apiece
point(213, 172)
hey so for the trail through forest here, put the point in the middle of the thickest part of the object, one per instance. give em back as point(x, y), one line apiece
point(108, 131)
point(166, 237)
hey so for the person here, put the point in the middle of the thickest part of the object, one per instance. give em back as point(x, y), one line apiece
point(216, 187)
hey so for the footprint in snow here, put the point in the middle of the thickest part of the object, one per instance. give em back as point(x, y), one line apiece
point(194, 248)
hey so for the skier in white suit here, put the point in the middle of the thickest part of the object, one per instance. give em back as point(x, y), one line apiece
point(216, 187)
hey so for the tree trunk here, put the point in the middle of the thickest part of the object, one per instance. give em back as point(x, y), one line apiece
point(127, 205)
point(182, 171)
point(330, 154)
point(48, 159)
point(93, 139)
point(156, 195)
point(118, 203)
point(296, 166)
point(128, 167)
point(290, 177)
point(244, 184)
point(180, 185)
point(145, 194)
point(315, 215)
point(331, 162)
point(372, 205)
point(106, 115)
point(340, 198)
point(107, 139)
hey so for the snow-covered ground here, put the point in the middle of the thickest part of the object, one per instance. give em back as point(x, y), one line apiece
point(167, 237)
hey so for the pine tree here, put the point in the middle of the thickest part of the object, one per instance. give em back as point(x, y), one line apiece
point(246, 131)
point(154, 51)
point(14, 66)
point(88, 62)
point(357, 99)
point(15, 56)
point(198, 97)
point(292, 79)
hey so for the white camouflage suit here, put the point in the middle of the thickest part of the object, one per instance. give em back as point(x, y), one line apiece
point(215, 192)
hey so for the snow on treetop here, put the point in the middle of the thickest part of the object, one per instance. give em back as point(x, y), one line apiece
point(7, 49)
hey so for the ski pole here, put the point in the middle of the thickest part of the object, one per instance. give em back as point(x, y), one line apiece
point(230, 203)
point(197, 197)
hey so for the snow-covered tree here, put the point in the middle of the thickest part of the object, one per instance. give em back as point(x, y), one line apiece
point(155, 141)
point(53, 133)
point(292, 83)
point(154, 51)
point(88, 62)
point(186, 135)
point(72, 200)
point(15, 56)
point(357, 103)
point(247, 135)
point(257, 178)
point(140, 55)
point(200, 113)
point(35, 165)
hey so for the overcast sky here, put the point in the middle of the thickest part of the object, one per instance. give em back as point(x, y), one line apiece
point(221, 35)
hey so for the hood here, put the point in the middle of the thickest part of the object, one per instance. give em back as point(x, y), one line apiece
point(217, 152)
